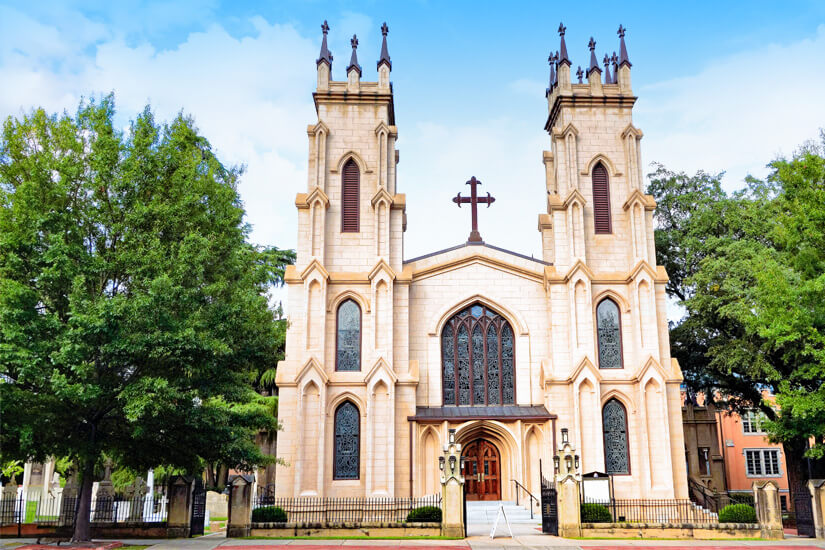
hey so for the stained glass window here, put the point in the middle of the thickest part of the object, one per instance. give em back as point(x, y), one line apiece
point(347, 441)
point(477, 357)
point(348, 342)
point(616, 452)
point(609, 330)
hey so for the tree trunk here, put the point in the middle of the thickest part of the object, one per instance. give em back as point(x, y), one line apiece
point(223, 474)
point(210, 475)
point(82, 527)
point(796, 464)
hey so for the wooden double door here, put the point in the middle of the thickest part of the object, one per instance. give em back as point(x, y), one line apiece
point(482, 470)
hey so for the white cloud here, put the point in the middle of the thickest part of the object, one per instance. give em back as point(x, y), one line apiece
point(739, 113)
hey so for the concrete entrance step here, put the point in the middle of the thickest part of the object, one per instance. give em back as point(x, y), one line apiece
point(487, 511)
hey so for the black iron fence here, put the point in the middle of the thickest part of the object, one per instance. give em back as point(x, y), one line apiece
point(56, 510)
point(714, 501)
point(347, 510)
point(645, 511)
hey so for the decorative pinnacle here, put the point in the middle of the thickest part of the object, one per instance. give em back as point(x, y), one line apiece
point(552, 60)
point(615, 60)
point(563, 58)
point(326, 55)
point(623, 59)
point(580, 74)
point(608, 79)
point(594, 63)
point(353, 61)
point(385, 55)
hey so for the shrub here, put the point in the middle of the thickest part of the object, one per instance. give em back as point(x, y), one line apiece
point(425, 513)
point(737, 513)
point(595, 513)
point(269, 514)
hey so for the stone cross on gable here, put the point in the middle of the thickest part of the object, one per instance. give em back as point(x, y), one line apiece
point(473, 200)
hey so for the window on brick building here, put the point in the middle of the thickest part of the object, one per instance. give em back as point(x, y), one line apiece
point(762, 463)
point(752, 422)
point(704, 461)
point(616, 449)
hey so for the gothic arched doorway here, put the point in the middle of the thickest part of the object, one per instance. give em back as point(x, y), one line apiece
point(482, 470)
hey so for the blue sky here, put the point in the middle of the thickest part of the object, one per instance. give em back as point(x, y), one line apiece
point(721, 86)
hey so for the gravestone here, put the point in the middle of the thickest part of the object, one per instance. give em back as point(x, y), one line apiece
point(8, 503)
point(104, 505)
point(68, 503)
point(135, 494)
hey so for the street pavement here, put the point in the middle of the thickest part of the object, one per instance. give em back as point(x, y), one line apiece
point(522, 540)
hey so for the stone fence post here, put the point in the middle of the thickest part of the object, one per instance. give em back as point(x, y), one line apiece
point(179, 522)
point(452, 489)
point(239, 522)
point(817, 489)
point(567, 493)
point(768, 510)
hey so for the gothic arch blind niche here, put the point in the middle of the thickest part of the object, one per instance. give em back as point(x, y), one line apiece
point(616, 450)
point(347, 442)
point(601, 199)
point(609, 329)
point(348, 337)
point(477, 358)
point(350, 192)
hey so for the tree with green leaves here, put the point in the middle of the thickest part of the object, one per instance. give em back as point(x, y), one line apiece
point(749, 269)
point(134, 312)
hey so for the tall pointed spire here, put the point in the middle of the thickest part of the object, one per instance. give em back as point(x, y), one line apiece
point(563, 58)
point(552, 61)
point(385, 54)
point(594, 63)
point(353, 61)
point(326, 55)
point(623, 59)
point(608, 79)
point(615, 60)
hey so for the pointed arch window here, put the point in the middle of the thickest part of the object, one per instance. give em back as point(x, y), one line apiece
point(601, 199)
point(346, 463)
point(609, 329)
point(350, 194)
point(477, 358)
point(616, 449)
point(348, 336)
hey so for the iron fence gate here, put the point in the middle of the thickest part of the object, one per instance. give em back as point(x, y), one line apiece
point(803, 509)
point(549, 506)
point(198, 509)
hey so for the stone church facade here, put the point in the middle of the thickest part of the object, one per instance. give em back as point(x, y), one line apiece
point(386, 354)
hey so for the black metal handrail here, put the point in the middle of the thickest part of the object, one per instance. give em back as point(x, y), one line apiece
point(532, 498)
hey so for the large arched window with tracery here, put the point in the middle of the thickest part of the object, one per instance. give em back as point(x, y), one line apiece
point(478, 359)
point(616, 449)
point(347, 441)
point(609, 329)
point(348, 336)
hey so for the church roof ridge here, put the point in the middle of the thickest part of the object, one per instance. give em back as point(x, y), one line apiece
point(464, 245)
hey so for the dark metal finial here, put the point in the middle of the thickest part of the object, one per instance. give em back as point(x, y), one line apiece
point(623, 58)
point(580, 74)
point(563, 57)
point(594, 63)
point(326, 55)
point(353, 61)
point(385, 54)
